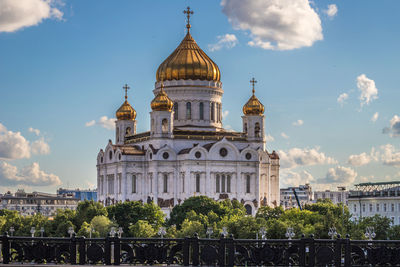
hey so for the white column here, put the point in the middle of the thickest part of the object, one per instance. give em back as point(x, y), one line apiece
point(124, 182)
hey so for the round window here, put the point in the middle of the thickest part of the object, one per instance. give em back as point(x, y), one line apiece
point(110, 154)
point(165, 155)
point(197, 154)
point(248, 156)
point(223, 152)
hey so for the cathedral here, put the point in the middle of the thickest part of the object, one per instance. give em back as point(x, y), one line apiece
point(187, 152)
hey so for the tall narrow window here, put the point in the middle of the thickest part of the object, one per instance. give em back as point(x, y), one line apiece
point(248, 184)
point(223, 183)
point(228, 184)
point(212, 111)
point(183, 183)
point(119, 183)
point(134, 184)
point(245, 128)
point(197, 183)
point(217, 183)
point(188, 111)
point(377, 207)
point(164, 126)
point(165, 183)
point(257, 130)
point(201, 110)
point(176, 109)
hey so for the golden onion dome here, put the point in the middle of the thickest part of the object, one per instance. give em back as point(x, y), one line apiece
point(161, 101)
point(126, 111)
point(253, 105)
point(188, 62)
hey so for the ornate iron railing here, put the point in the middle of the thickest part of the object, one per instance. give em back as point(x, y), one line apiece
point(199, 251)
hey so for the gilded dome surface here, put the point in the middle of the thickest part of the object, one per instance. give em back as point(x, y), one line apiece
point(188, 61)
point(126, 112)
point(161, 101)
point(253, 106)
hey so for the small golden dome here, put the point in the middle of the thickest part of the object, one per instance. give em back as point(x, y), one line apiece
point(253, 105)
point(188, 62)
point(126, 111)
point(161, 101)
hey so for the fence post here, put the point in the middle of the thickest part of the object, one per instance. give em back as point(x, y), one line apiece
point(338, 251)
point(221, 251)
point(117, 250)
point(347, 252)
point(186, 251)
point(311, 254)
point(195, 249)
point(5, 249)
point(302, 251)
point(82, 250)
point(107, 250)
point(72, 250)
point(231, 251)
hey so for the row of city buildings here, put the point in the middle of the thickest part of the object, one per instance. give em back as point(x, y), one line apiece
point(364, 200)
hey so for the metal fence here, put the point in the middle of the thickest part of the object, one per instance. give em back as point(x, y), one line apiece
point(199, 251)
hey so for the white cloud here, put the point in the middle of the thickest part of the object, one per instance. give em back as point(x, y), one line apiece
point(342, 98)
point(290, 178)
point(40, 147)
point(105, 122)
point(339, 175)
point(375, 117)
point(389, 155)
point(394, 129)
point(303, 157)
point(285, 135)
point(269, 138)
point(275, 24)
point(359, 160)
point(17, 14)
point(13, 145)
point(331, 11)
point(35, 131)
point(225, 114)
point(29, 175)
point(227, 40)
point(298, 123)
point(368, 89)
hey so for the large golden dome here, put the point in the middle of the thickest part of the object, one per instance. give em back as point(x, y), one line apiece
point(253, 105)
point(188, 61)
point(126, 111)
point(161, 101)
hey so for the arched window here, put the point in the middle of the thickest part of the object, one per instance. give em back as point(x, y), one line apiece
point(176, 109)
point(248, 209)
point(223, 183)
point(128, 131)
point(201, 110)
point(248, 183)
point(152, 125)
point(165, 183)
point(217, 183)
point(257, 130)
point(117, 134)
point(134, 184)
point(188, 111)
point(164, 126)
point(212, 111)
point(228, 184)
point(245, 128)
point(197, 183)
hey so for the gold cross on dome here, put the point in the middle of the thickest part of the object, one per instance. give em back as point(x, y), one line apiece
point(253, 81)
point(188, 12)
point(126, 88)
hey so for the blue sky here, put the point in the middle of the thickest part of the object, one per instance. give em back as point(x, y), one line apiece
point(65, 63)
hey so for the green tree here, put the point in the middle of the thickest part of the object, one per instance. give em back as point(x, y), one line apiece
point(189, 228)
point(129, 212)
point(141, 229)
point(102, 225)
point(61, 222)
point(87, 210)
point(85, 230)
point(246, 227)
point(380, 224)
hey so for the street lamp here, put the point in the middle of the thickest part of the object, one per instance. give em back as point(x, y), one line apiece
point(162, 231)
point(263, 233)
point(224, 231)
point(71, 231)
point(290, 233)
point(120, 232)
point(33, 230)
point(112, 231)
point(41, 231)
point(209, 232)
point(12, 230)
point(332, 232)
point(370, 233)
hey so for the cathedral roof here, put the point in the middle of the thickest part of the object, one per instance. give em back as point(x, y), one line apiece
point(253, 105)
point(129, 150)
point(161, 101)
point(126, 111)
point(188, 62)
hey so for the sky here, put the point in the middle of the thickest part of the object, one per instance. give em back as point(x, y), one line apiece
point(327, 72)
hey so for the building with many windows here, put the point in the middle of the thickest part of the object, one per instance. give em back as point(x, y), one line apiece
point(36, 202)
point(187, 152)
point(288, 199)
point(369, 199)
point(78, 193)
point(335, 196)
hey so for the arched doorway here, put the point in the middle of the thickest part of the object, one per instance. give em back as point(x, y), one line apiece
point(248, 209)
